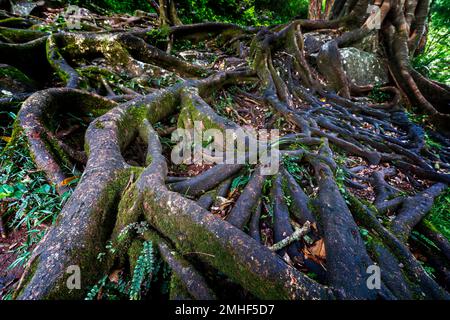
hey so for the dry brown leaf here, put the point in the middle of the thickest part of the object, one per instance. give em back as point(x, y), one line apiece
point(115, 275)
point(318, 249)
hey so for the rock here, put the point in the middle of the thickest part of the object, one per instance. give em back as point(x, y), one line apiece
point(363, 68)
point(314, 40)
point(370, 44)
point(24, 8)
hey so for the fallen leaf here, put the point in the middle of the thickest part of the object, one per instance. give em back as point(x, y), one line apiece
point(316, 252)
point(318, 249)
point(66, 181)
point(115, 276)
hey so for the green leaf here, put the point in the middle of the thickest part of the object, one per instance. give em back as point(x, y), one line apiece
point(6, 191)
point(44, 189)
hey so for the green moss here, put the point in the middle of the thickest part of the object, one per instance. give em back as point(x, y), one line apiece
point(29, 275)
point(54, 148)
point(214, 251)
point(87, 253)
point(99, 125)
point(189, 114)
point(134, 252)
point(53, 57)
point(177, 288)
point(20, 35)
point(129, 208)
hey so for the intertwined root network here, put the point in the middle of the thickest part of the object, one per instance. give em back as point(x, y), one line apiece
point(292, 235)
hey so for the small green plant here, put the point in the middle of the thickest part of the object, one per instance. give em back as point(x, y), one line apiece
point(417, 118)
point(292, 166)
point(142, 271)
point(138, 227)
point(223, 105)
point(240, 181)
point(288, 200)
point(428, 269)
point(93, 293)
point(160, 35)
point(378, 95)
point(365, 234)
point(432, 144)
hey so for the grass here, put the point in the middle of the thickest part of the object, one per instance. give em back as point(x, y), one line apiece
point(434, 61)
point(439, 216)
point(33, 203)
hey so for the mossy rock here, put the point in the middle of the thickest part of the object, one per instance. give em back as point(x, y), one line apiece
point(363, 68)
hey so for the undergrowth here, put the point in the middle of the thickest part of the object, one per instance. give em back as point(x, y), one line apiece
point(29, 203)
point(439, 215)
point(434, 60)
point(149, 273)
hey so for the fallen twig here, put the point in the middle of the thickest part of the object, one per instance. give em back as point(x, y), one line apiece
point(297, 235)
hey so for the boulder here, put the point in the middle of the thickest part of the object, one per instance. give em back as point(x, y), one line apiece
point(363, 68)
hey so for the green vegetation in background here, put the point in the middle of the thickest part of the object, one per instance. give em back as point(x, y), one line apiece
point(115, 6)
point(244, 12)
point(434, 61)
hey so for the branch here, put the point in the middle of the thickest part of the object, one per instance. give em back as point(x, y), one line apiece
point(297, 235)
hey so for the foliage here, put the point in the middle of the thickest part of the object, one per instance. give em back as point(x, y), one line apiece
point(122, 6)
point(377, 95)
point(142, 270)
point(33, 203)
point(244, 12)
point(93, 293)
point(284, 10)
point(240, 181)
point(434, 61)
point(439, 216)
point(144, 274)
point(440, 13)
point(432, 144)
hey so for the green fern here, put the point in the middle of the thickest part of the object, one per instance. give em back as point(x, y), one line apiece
point(143, 269)
point(93, 293)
